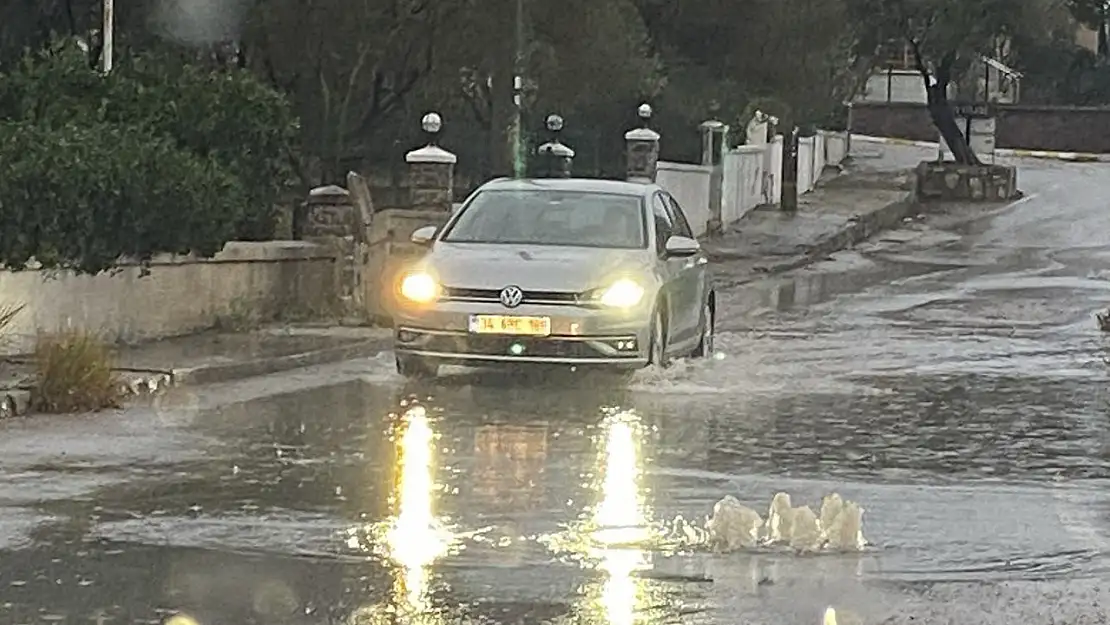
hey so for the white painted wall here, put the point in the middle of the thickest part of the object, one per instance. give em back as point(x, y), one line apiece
point(775, 172)
point(818, 156)
point(182, 294)
point(744, 177)
point(752, 177)
point(836, 147)
point(689, 184)
point(805, 165)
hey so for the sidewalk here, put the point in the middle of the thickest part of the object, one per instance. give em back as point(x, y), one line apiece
point(840, 212)
point(215, 357)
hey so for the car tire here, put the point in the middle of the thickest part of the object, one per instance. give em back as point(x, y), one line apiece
point(707, 344)
point(657, 349)
point(417, 367)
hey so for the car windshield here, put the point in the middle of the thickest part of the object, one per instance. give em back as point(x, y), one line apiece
point(552, 217)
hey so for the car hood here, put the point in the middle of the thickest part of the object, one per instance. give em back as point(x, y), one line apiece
point(531, 267)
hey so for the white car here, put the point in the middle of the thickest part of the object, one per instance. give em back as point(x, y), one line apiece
point(577, 272)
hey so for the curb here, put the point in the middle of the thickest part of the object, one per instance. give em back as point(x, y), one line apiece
point(1073, 157)
point(894, 141)
point(141, 382)
point(208, 374)
point(858, 229)
point(862, 227)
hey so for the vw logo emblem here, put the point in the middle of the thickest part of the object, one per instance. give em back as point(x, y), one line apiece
point(511, 296)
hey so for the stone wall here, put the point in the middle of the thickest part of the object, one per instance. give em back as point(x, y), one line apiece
point(181, 295)
point(952, 182)
point(1058, 128)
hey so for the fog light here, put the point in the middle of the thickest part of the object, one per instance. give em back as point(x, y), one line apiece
point(516, 349)
point(626, 346)
point(405, 336)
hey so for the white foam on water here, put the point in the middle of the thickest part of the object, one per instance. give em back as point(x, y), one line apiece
point(839, 528)
point(754, 370)
point(684, 376)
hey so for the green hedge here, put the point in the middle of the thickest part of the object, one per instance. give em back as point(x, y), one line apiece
point(158, 156)
point(81, 196)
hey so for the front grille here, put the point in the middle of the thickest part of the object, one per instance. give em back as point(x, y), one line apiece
point(500, 346)
point(557, 298)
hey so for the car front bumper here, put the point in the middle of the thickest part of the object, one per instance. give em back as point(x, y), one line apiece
point(579, 336)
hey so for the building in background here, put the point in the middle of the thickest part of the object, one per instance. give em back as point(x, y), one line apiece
point(896, 79)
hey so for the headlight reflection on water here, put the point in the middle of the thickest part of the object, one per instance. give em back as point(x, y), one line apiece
point(415, 537)
point(615, 534)
point(621, 520)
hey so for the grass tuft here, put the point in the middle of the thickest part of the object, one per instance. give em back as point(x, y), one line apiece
point(8, 313)
point(74, 372)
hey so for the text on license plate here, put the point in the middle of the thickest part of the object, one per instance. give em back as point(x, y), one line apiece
point(501, 324)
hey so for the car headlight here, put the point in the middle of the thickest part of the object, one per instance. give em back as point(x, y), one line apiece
point(622, 294)
point(420, 288)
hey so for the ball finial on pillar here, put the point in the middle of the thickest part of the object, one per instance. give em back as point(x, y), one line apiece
point(431, 124)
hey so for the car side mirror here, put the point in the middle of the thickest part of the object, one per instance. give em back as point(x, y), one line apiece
point(679, 247)
point(424, 235)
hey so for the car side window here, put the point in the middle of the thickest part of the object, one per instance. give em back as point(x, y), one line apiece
point(681, 224)
point(664, 228)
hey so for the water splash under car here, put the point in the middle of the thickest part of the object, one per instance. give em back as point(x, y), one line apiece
point(575, 272)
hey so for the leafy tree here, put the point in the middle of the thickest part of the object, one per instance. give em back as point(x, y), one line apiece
point(945, 37)
point(80, 196)
point(1055, 69)
point(1094, 14)
point(158, 156)
point(228, 116)
point(348, 68)
point(793, 59)
point(585, 60)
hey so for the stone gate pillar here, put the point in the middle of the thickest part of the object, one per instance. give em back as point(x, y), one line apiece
point(714, 137)
point(431, 183)
point(642, 145)
point(332, 219)
point(431, 171)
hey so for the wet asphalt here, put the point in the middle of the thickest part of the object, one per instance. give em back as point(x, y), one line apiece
point(948, 376)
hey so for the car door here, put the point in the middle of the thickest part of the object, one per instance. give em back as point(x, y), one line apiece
point(669, 268)
point(693, 277)
point(672, 270)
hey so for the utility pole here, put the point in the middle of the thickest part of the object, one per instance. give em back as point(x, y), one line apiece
point(789, 200)
point(517, 133)
point(507, 145)
point(107, 9)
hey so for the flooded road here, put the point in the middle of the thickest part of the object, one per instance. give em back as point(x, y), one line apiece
point(947, 376)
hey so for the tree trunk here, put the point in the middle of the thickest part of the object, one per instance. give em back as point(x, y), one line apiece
point(940, 111)
point(945, 120)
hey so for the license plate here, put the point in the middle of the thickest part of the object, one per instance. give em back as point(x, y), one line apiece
point(501, 324)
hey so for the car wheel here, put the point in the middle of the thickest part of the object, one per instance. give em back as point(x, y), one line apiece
point(657, 354)
point(416, 367)
point(706, 345)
